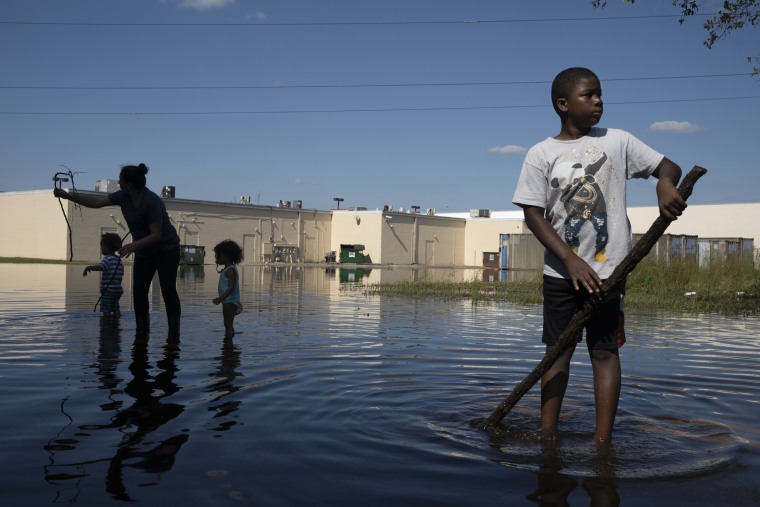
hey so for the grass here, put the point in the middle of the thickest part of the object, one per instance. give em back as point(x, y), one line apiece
point(730, 288)
point(29, 260)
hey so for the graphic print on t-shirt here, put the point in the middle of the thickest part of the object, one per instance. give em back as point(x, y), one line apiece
point(583, 200)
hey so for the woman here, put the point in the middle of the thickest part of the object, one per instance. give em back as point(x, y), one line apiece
point(155, 242)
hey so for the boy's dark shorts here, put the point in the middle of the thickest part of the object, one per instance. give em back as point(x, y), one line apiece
point(561, 301)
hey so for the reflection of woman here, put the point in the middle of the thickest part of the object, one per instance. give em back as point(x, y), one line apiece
point(149, 412)
point(155, 242)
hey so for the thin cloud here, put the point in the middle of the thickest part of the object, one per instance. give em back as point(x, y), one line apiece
point(676, 127)
point(256, 16)
point(298, 181)
point(508, 149)
point(203, 5)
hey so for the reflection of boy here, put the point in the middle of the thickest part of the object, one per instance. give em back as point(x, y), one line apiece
point(112, 272)
point(580, 176)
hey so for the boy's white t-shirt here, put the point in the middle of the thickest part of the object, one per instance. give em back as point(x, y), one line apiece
point(581, 184)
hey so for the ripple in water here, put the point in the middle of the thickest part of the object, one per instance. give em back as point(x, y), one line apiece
point(644, 448)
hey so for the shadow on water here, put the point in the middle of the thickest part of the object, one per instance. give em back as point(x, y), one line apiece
point(149, 388)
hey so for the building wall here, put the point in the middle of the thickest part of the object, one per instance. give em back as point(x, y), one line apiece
point(294, 235)
point(358, 228)
point(32, 225)
point(36, 219)
point(400, 238)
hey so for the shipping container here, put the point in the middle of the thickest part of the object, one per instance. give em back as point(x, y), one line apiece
point(712, 250)
point(521, 251)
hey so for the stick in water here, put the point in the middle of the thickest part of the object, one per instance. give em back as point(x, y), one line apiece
point(567, 338)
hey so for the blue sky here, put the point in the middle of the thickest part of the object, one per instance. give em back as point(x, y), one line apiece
point(394, 102)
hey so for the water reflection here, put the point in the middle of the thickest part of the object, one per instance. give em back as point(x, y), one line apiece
point(349, 393)
point(71, 291)
point(147, 414)
point(136, 424)
point(224, 385)
point(554, 486)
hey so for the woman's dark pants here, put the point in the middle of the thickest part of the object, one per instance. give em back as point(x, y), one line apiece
point(165, 263)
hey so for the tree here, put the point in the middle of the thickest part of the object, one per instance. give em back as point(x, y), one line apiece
point(734, 15)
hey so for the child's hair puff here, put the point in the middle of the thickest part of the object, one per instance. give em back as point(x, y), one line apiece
point(231, 250)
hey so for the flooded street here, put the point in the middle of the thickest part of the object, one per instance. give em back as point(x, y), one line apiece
point(327, 396)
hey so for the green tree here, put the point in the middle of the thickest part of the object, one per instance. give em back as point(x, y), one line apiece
point(733, 15)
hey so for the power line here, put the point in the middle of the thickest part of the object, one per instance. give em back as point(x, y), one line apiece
point(364, 110)
point(359, 85)
point(349, 23)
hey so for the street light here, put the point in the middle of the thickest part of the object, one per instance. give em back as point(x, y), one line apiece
point(415, 208)
point(338, 200)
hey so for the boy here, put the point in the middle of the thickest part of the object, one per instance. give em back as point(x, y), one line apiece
point(112, 272)
point(572, 191)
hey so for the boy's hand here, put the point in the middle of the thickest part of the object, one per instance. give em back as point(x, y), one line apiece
point(216, 301)
point(582, 275)
point(86, 270)
point(670, 202)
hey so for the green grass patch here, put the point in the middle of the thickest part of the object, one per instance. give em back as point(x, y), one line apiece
point(29, 260)
point(729, 288)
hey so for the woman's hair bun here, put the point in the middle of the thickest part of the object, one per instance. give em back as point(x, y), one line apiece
point(143, 168)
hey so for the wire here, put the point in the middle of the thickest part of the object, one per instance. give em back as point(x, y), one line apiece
point(359, 85)
point(365, 110)
point(353, 23)
point(58, 179)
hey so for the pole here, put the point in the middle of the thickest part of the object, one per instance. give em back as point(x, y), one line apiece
point(566, 339)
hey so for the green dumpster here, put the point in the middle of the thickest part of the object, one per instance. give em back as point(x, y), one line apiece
point(192, 255)
point(352, 254)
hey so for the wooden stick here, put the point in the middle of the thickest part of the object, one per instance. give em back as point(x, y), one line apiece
point(567, 338)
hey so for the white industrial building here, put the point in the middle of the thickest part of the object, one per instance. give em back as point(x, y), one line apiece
point(33, 224)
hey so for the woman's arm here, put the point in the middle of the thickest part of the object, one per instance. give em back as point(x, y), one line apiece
point(150, 239)
point(86, 200)
point(581, 274)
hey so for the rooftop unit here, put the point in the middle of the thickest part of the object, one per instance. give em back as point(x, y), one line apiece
point(480, 213)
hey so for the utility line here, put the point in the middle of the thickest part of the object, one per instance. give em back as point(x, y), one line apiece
point(367, 110)
point(360, 85)
point(351, 23)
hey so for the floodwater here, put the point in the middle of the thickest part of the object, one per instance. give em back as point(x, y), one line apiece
point(329, 397)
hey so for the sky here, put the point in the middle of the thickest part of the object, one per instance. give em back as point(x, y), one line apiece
point(429, 103)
